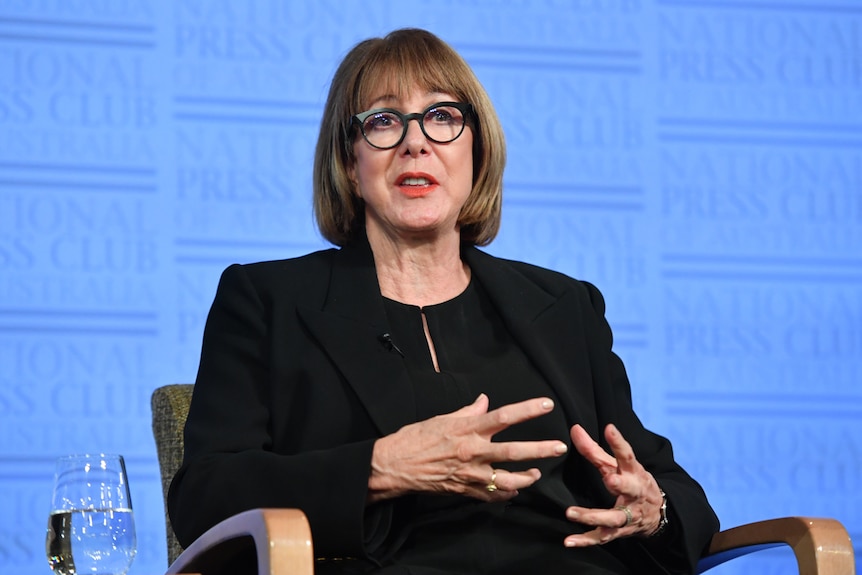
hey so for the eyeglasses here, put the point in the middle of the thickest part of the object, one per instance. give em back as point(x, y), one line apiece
point(385, 128)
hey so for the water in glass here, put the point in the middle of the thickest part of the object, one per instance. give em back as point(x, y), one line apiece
point(91, 528)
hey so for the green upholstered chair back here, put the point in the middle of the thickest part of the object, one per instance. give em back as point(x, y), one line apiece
point(170, 405)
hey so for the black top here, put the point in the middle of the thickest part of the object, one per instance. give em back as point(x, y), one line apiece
point(477, 354)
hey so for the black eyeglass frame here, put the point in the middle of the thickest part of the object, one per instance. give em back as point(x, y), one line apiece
point(465, 108)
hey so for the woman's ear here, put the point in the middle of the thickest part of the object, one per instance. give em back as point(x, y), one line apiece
point(351, 175)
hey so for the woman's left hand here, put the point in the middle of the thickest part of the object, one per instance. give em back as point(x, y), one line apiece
point(635, 488)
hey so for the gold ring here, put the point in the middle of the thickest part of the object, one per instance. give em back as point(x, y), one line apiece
point(625, 509)
point(492, 487)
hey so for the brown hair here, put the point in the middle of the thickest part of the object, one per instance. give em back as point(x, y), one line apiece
point(404, 58)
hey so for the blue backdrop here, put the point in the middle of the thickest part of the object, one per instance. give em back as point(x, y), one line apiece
point(700, 161)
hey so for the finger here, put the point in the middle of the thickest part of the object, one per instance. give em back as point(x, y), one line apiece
point(598, 536)
point(514, 480)
point(499, 419)
point(484, 495)
point(610, 518)
point(478, 407)
point(592, 451)
point(625, 455)
point(525, 450)
point(504, 484)
point(485, 476)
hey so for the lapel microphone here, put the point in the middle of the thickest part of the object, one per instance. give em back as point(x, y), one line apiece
point(386, 340)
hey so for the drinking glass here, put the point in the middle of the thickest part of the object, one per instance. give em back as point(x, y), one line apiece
point(91, 529)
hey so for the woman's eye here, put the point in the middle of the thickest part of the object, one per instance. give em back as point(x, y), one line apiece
point(380, 122)
point(445, 116)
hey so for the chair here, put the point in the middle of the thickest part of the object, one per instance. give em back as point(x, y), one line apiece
point(281, 538)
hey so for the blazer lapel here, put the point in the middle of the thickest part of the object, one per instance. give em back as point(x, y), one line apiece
point(349, 327)
point(548, 328)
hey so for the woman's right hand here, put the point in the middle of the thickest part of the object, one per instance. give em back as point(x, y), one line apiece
point(453, 453)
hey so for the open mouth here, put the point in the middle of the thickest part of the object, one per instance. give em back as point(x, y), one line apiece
point(415, 185)
point(415, 182)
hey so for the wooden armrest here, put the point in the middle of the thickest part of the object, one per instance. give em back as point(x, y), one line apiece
point(821, 546)
point(281, 537)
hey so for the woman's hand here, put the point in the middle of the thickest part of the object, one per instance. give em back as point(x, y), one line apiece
point(453, 453)
point(636, 490)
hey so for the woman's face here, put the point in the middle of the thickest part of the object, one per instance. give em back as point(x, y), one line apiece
point(416, 189)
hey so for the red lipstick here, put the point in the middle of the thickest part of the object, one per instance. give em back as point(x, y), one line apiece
point(416, 184)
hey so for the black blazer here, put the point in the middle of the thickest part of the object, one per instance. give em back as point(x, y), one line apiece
point(294, 386)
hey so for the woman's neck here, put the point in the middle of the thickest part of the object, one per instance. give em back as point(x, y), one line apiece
point(419, 271)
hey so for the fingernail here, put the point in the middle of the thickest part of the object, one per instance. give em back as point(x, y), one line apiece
point(547, 404)
point(561, 448)
point(568, 543)
point(572, 514)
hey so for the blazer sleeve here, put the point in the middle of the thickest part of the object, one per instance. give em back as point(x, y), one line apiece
point(229, 465)
point(692, 520)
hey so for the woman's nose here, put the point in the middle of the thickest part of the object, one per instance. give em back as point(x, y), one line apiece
point(415, 141)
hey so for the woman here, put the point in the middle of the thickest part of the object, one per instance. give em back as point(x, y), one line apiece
point(432, 409)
